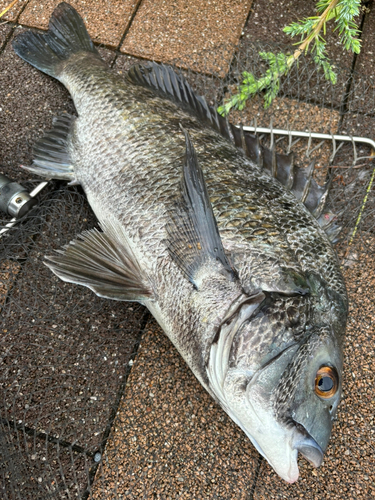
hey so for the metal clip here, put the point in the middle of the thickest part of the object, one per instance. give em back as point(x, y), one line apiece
point(14, 198)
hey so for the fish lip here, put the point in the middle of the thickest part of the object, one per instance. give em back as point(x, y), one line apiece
point(291, 475)
point(308, 447)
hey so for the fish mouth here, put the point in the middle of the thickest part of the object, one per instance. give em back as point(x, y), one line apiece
point(284, 462)
point(301, 442)
point(308, 447)
point(289, 470)
point(279, 439)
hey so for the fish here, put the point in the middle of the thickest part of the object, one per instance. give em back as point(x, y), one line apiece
point(226, 242)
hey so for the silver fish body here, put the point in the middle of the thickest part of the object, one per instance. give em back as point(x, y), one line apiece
point(264, 340)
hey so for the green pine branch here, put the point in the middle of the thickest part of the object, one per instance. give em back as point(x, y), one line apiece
point(310, 30)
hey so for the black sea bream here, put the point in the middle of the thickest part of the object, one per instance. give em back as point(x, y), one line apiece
point(224, 251)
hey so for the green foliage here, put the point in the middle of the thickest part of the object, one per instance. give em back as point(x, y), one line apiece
point(270, 82)
point(341, 12)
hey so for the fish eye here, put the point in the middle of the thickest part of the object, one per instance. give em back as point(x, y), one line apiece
point(326, 382)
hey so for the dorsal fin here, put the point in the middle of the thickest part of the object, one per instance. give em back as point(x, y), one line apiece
point(164, 81)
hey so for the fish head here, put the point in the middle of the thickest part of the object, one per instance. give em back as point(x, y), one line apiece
point(287, 406)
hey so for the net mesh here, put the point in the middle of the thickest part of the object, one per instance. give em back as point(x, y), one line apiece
point(87, 413)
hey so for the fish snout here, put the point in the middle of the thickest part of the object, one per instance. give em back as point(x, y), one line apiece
point(310, 449)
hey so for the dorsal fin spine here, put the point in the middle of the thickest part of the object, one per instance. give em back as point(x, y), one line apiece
point(310, 171)
point(160, 81)
point(243, 140)
point(290, 180)
point(274, 161)
point(169, 83)
point(260, 161)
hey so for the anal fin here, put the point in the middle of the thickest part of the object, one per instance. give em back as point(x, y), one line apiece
point(105, 263)
point(51, 152)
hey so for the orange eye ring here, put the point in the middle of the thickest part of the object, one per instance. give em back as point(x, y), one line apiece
point(326, 382)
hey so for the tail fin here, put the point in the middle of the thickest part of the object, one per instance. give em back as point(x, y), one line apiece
point(66, 36)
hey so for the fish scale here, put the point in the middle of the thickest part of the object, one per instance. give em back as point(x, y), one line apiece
point(236, 270)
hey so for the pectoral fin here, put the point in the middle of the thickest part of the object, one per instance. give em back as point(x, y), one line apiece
point(194, 238)
point(105, 263)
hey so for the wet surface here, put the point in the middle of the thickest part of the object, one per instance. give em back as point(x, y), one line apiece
point(13, 13)
point(366, 59)
point(264, 31)
point(64, 357)
point(269, 17)
point(182, 33)
point(106, 20)
point(65, 353)
point(170, 439)
point(40, 469)
point(5, 31)
point(58, 340)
